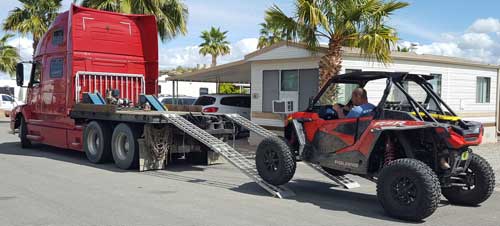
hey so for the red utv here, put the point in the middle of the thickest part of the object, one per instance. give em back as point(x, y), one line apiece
point(412, 144)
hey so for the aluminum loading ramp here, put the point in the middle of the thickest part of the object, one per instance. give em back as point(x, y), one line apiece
point(344, 181)
point(228, 152)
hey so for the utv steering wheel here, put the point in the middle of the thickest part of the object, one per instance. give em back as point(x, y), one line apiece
point(328, 113)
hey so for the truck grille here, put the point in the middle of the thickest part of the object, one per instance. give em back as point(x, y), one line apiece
point(129, 85)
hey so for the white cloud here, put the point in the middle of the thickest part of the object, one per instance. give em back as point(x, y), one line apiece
point(487, 25)
point(475, 41)
point(189, 55)
point(479, 43)
point(25, 46)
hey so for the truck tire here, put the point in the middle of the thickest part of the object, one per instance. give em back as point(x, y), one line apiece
point(408, 189)
point(275, 162)
point(97, 142)
point(23, 134)
point(483, 180)
point(124, 146)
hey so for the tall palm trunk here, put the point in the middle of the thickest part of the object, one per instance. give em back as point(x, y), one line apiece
point(35, 44)
point(214, 60)
point(331, 63)
point(330, 66)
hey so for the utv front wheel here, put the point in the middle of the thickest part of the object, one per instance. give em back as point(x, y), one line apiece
point(275, 162)
point(479, 180)
point(408, 189)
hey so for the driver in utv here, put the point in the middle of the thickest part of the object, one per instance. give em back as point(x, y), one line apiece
point(360, 102)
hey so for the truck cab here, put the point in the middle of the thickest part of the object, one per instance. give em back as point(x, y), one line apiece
point(84, 51)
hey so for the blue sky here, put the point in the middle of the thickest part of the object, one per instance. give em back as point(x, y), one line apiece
point(445, 27)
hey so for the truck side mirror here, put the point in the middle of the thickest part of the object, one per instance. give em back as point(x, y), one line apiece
point(20, 74)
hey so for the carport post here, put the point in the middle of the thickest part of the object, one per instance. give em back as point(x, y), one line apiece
point(217, 86)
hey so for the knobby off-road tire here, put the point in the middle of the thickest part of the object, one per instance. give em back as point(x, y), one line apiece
point(274, 160)
point(124, 146)
point(23, 134)
point(408, 189)
point(97, 142)
point(484, 184)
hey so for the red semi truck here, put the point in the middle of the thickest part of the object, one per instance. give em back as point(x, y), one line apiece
point(78, 42)
point(92, 88)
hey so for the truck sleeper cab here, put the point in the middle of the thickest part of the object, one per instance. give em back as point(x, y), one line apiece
point(85, 50)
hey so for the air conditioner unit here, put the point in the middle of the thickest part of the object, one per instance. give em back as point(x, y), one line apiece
point(283, 106)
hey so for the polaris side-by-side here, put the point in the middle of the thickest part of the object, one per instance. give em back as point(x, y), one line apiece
point(412, 144)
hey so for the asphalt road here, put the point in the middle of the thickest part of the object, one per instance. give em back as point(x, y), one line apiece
point(49, 186)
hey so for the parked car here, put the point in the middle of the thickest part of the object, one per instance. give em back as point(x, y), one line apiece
point(180, 100)
point(7, 103)
point(227, 103)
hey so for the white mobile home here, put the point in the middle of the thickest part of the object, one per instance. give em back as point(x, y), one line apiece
point(192, 89)
point(290, 71)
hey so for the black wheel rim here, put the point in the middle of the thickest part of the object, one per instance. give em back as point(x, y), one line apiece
point(271, 160)
point(404, 191)
point(469, 180)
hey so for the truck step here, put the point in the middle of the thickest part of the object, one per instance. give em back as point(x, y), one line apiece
point(344, 181)
point(226, 151)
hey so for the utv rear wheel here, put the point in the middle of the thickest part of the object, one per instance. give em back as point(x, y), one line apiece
point(23, 134)
point(124, 146)
point(480, 181)
point(408, 189)
point(97, 142)
point(275, 162)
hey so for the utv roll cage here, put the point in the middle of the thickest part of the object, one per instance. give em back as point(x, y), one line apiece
point(395, 79)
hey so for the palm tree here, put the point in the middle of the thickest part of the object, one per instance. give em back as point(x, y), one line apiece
point(34, 18)
point(215, 44)
point(270, 34)
point(402, 49)
point(171, 15)
point(8, 55)
point(351, 23)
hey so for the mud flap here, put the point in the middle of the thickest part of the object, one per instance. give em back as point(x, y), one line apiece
point(146, 160)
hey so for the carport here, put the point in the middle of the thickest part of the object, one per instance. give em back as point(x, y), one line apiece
point(236, 72)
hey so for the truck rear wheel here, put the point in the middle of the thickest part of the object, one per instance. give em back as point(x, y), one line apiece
point(408, 189)
point(124, 146)
point(275, 161)
point(480, 181)
point(23, 133)
point(96, 142)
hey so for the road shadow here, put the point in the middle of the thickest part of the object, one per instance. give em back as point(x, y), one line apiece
point(331, 197)
point(172, 172)
point(58, 154)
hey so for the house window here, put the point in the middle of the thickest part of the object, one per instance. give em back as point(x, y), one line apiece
point(483, 87)
point(290, 80)
point(203, 91)
point(56, 67)
point(437, 83)
point(57, 37)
